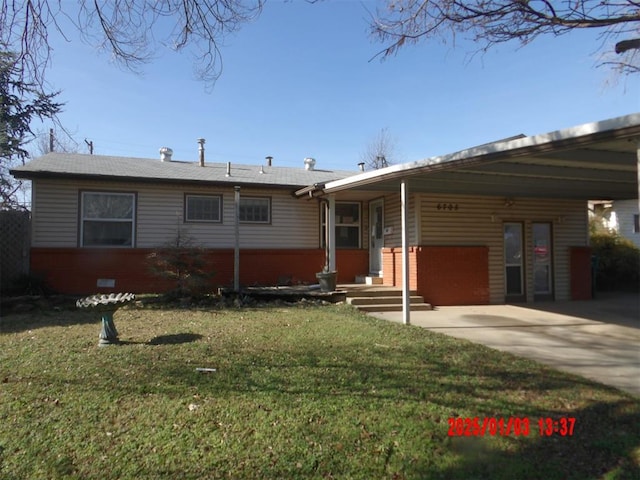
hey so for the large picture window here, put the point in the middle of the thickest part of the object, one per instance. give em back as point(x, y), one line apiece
point(347, 225)
point(107, 219)
point(203, 208)
point(255, 210)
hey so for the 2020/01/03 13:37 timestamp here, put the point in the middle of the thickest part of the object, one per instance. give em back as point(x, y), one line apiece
point(492, 426)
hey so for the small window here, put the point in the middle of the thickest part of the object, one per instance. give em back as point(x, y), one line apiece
point(347, 225)
point(107, 219)
point(255, 210)
point(636, 223)
point(203, 208)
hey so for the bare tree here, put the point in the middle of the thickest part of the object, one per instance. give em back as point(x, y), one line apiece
point(381, 151)
point(132, 31)
point(490, 22)
point(45, 140)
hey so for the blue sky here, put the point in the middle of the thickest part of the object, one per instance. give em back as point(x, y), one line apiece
point(299, 82)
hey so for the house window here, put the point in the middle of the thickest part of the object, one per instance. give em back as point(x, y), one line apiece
point(107, 219)
point(347, 225)
point(203, 208)
point(255, 210)
point(636, 223)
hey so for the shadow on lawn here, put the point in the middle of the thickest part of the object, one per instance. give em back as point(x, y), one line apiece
point(22, 322)
point(175, 339)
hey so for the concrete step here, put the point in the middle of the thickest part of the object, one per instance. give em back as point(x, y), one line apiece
point(415, 307)
point(376, 292)
point(383, 300)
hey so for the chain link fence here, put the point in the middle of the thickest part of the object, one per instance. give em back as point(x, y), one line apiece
point(15, 234)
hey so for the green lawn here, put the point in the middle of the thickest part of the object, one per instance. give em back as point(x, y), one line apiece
point(299, 392)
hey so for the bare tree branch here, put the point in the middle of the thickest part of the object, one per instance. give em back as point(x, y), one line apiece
point(132, 31)
point(490, 22)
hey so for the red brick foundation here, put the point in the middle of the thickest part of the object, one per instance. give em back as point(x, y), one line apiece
point(443, 275)
point(76, 270)
point(580, 271)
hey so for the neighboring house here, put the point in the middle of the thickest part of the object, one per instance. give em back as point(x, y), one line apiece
point(497, 223)
point(627, 220)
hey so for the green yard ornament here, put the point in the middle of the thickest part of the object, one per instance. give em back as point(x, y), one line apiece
point(106, 305)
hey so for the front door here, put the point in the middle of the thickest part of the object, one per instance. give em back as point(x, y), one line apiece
point(376, 239)
point(542, 262)
point(513, 263)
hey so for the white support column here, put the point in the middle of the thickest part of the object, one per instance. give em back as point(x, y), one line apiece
point(236, 252)
point(406, 287)
point(331, 232)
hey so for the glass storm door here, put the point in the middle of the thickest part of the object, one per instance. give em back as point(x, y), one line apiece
point(376, 240)
point(542, 274)
point(513, 262)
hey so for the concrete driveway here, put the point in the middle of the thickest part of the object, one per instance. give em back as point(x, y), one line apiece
point(597, 339)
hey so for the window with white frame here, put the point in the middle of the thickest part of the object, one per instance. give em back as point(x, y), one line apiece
point(107, 219)
point(347, 225)
point(255, 209)
point(203, 208)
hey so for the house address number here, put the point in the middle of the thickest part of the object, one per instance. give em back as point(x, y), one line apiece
point(447, 206)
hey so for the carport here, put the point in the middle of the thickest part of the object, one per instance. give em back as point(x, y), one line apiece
point(593, 161)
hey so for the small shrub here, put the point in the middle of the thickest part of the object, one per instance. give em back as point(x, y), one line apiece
point(183, 263)
point(618, 262)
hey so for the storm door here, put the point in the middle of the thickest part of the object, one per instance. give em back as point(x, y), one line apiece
point(513, 262)
point(542, 262)
point(376, 239)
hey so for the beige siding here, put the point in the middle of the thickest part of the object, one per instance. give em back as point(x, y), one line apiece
point(393, 220)
point(160, 211)
point(625, 210)
point(55, 215)
point(479, 221)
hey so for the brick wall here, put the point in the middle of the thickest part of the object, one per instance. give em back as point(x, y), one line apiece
point(580, 273)
point(76, 270)
point(447, 275)
point(392, 267)
point(454, 275)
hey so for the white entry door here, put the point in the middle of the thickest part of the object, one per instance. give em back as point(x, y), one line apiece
point(376, 237)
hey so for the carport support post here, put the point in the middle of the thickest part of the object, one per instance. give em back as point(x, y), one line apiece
point(406, 288)
point(236, 252)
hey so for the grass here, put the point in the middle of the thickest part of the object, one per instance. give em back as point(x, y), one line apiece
point(299, 393)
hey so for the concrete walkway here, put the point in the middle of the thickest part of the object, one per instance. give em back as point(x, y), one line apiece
point(597, 339)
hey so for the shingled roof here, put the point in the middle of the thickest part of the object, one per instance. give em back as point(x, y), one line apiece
point(103, 167)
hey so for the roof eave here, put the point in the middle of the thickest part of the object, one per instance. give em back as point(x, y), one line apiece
point(612, 129)
point(34, 175)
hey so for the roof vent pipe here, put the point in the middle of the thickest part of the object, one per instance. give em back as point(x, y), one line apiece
point(228, 169)
point(269, 159)
point(165, 154)
point(201, 151)
point(361, 166)
point(309, 163)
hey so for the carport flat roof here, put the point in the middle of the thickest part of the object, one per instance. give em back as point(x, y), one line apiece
point(592, 161)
